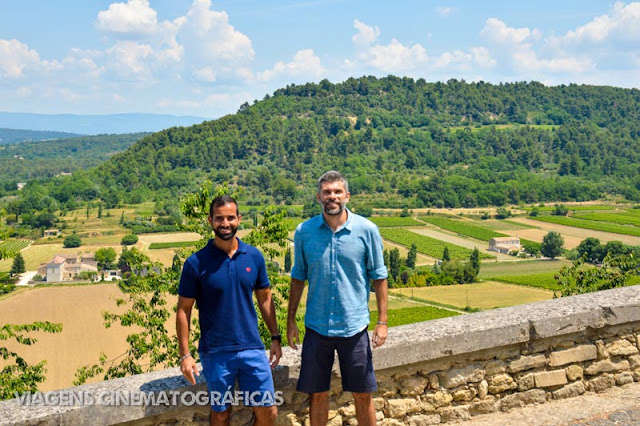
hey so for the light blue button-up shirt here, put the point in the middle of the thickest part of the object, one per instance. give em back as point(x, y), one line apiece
point(338, 266)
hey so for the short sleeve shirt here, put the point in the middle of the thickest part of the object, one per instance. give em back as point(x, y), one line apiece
point(223, 288)
point(338, 266)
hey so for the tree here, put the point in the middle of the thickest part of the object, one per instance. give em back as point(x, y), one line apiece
point(591, 249)
point(71, 241)
point(105, 257)
point(502, 213)
point(474, 259)
point(287, 260)
point(99, 210)
point(552, 245)
point(412, 256)
point(17, 375)
point(18, 264)
point(446, 257)
point(394, 263)
point(122, 217)
point(131, 257)
point(129, 240)
point(614, 272)
point(560, 210)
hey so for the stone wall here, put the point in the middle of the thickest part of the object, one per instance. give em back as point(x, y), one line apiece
point(428, 373)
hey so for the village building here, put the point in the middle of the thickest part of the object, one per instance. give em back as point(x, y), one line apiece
point(67, 267)
point(505, 245)
point(51, 232)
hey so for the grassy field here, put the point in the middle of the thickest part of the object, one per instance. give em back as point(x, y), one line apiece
point(590, 224)
point(412, 315)
point(463, 227)
point(426, 245)
point(542, 280)
point(525, 267)
point(12, 247)
point(389, 221)
point(484, 295)
point(505, 225)
point(175, 244)
point(619, 218)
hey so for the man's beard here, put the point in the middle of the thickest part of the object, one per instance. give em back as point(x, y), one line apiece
point(334, 211)
point(228, 236)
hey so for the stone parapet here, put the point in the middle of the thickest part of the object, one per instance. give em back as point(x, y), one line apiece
point(433, 372)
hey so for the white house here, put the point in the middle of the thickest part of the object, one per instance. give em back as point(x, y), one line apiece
point(505, 244)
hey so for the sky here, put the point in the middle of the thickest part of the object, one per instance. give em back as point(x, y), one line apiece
point(207, 57)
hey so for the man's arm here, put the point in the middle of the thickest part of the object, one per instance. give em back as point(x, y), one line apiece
point(295, 294)
point(188, 365)
point(268, 312)
point(380, 332)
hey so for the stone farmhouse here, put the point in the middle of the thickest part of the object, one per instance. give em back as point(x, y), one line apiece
point(505, 245)
point(66, 267)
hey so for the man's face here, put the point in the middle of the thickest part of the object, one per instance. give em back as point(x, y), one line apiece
point(333, 198)
point(225, 221)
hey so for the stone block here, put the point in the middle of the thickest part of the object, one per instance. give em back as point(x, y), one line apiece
point(574, 372)
point(634, 361)
point(623, 378)
point(413, 386)
point(527, 363)
point(501, 383)
point(391, 422)
point(526, 382)
point(460, 376)
point(344, 398)
point(399, 407)
point(508, 353)
point(622, 347)
point(434, 382)
point(573, 355)
point(483, 389)
point(601, 383)
point(438, 399)
point(533, 396)
point(423, 420)
point(484, 407)
point(348, 411)
point(387, 389)
point(546, 379)
point(287, 418)
point(464, 395)
point(450, 414)
point(564, 344)
point(569, 391)
point(495, 367)
point(378, 403)
point(606, 366)
point(602, 350)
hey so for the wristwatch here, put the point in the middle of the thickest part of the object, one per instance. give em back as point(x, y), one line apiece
point(276, 337)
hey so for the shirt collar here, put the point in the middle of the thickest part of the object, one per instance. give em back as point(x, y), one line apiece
point(242, 246)
point(347, 225)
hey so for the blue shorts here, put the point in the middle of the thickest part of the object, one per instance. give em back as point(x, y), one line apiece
point(252, 370)
point(356, 363)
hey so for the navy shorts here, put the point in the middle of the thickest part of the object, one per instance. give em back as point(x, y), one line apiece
point(356, 364)
point(252, 370)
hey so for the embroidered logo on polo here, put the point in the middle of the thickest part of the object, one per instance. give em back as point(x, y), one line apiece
point(248, 269)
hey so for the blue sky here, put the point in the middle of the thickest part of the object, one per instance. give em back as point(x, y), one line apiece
point(203, 57)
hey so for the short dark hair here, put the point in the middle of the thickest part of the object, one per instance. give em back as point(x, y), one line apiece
point(332, 176)
point(220, 201)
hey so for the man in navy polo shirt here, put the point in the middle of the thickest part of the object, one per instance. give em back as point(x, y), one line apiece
point(338, 253)
point(221, 278)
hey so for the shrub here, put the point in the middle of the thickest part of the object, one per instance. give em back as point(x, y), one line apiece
point(129, 240)
point(71, 241)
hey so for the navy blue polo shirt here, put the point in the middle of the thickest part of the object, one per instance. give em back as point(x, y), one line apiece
point(223, 288)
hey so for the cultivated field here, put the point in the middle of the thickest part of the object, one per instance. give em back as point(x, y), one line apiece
point(484, 295)
point(83, 337)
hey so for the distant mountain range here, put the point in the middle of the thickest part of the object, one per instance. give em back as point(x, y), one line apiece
point(95, 124)
point(14, 136)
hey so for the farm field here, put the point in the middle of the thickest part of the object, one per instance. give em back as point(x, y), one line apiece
point(590, 224)
point(389, 221)
point(426, 244)
point(540, 280)
point(523, 267)
point(421, 259)
point(573, 236)
point(83, 337)
point(617, 218)
point(484, 295)
point(463, 227)
point(12, 246)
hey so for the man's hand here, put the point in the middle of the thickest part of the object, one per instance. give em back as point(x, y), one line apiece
point(379, 335)
point(275, 353)
point(293, 335)
point(188, 368)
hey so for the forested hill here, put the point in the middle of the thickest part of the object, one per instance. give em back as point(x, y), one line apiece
point(400, 142)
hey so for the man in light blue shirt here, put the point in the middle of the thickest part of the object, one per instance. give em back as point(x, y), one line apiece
point(338, 253)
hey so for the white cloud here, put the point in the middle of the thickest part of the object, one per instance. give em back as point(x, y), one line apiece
point(305, 63)
point(527, 60)
point(623, 24)
point(396, 57)
point(366, 35)
point(497, 31)
point(482, 56)
point(15, 57)
point(445, 11)
point(128, 59)
point(133, 18)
